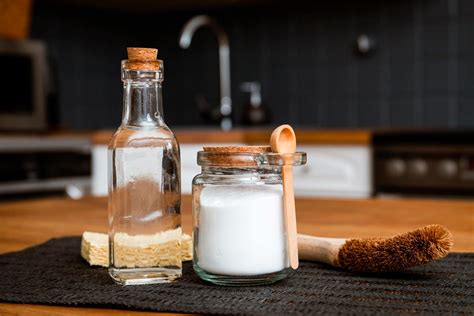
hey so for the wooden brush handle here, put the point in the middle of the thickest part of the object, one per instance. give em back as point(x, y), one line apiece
point(319, 249)
point(290, 215)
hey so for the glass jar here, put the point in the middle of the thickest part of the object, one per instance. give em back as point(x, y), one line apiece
point(238, 221)
point(144, 181)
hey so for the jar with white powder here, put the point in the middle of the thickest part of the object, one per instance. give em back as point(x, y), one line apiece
point(238, 220)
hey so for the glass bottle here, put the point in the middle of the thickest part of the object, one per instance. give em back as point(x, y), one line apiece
point(144, 180)
point(239, 231)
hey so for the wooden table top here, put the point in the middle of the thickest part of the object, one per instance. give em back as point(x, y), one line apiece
point(306, 136)
point(26, 223)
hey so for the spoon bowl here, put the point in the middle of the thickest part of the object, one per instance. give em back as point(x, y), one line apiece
point(283, 140)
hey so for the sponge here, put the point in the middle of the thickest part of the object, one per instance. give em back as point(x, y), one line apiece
point(136, 251)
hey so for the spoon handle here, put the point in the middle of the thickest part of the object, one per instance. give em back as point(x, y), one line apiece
point(290, 215)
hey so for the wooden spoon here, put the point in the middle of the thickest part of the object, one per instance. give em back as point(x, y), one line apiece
point(283, 141)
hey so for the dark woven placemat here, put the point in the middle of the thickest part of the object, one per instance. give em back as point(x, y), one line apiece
point(54, 273)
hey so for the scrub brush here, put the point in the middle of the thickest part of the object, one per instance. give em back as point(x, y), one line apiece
point(377, 255)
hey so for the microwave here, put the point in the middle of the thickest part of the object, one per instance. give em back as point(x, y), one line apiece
point(23, 97)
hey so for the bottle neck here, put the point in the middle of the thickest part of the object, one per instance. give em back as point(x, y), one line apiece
point(142, 104)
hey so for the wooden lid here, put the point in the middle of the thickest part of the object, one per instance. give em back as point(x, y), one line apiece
point(140, 58)
point(238, 149)
point(231, 156)
point(247, 156)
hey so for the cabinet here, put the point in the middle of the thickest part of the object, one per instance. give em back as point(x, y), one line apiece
point(335, 171)
point(42, 165)
point(332, 170)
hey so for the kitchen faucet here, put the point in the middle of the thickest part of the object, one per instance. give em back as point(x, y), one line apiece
point(224, 62)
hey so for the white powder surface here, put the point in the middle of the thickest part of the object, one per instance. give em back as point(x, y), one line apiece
point(241, 230)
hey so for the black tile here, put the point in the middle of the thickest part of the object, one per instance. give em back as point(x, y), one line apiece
point(312, 109)
point(303, 56)
point(465, 37)
point(369, 113)
point(466, 77)
point(402, 112)
point(436, 41)
point(339, 81)
point(402, 75)
point(466, 8)
point(436, 76)
point(399, 13)
point(244, 45)
point(466, 113)
point(438, 111)
point(338, 114)
point(401, 41)
point(434, 10)
point(368, 76)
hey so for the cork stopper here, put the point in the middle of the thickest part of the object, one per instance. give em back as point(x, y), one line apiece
point(140, 58)
point(143, 54)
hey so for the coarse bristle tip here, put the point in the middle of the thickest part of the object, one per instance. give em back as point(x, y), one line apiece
point(396, 253)
point(441, 240)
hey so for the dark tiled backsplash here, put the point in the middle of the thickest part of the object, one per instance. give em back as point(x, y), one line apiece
point(421, 74)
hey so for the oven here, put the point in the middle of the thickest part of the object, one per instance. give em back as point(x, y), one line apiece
point(435, 163)
point(23, 85)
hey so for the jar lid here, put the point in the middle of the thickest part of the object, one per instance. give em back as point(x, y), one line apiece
point(247, 156)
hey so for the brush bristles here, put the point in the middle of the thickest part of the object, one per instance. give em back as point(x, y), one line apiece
point(375, 255)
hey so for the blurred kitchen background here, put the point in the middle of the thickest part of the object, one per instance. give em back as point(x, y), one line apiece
point(380, 90)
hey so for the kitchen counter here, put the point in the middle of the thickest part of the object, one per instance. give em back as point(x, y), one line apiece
point(31, 222)
point(200, 135)
point(257, 136)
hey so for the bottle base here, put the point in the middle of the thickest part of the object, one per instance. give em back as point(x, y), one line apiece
point(140, 276)
point(232, 280)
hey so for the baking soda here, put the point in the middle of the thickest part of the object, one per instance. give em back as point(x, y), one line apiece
point(241, 230)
